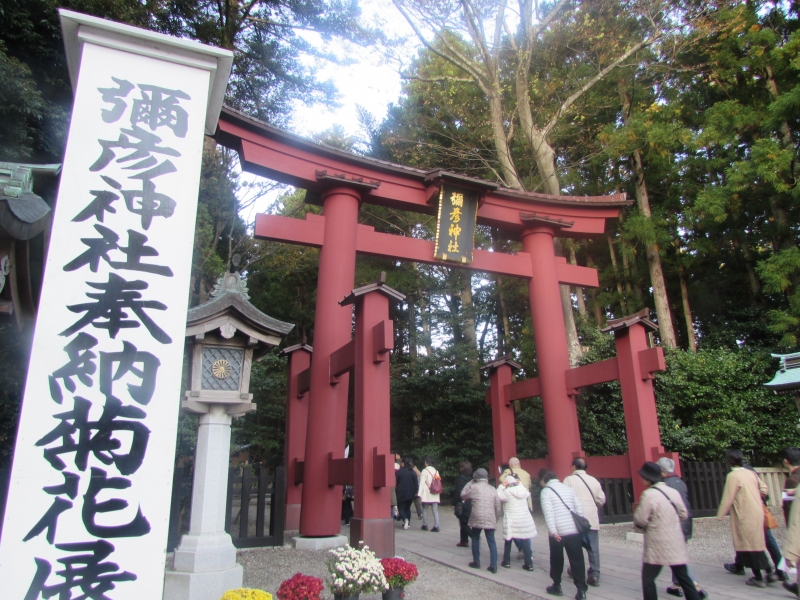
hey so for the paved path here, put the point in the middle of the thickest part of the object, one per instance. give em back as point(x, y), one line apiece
point(620, 566)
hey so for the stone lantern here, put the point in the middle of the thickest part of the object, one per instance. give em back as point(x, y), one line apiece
point(224, 336)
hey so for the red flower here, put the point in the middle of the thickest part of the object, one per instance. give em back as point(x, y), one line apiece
point(301, 587)
point(398, 572)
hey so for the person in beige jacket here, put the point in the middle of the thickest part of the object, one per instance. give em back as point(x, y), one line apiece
point(592, 497)
point(741, 498)
point(791, 544)
point(659, 514)
point(516, 470)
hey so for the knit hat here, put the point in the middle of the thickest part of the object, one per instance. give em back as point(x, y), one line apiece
point(651, 472)
point(481, 474)
point(511, 480)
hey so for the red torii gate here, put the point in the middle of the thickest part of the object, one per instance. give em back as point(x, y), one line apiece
point(340, 182)
point(634, 367)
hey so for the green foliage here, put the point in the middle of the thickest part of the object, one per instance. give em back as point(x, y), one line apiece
point(263, 431)
point(21, 108)
point(438, 411)
point(714, 399)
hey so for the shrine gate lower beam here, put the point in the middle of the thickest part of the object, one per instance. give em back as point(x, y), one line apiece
point(311, 232)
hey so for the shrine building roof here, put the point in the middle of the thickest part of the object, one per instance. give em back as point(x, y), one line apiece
point(788, 376)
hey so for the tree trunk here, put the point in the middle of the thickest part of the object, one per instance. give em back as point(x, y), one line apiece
point(426, 325)
point(663, 313)
point(412, 328)
point(573, 260)
point(687, 311)
point(617, 279)
point(468, 330)
point(755, 284)
point(597, 311)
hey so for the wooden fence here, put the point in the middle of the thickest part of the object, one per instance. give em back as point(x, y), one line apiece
point(704, 481)
point(255, 510)
point(252, 488)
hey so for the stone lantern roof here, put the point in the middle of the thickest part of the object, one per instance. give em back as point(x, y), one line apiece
point(23, 213)
point(788, 376)
point(229, 310)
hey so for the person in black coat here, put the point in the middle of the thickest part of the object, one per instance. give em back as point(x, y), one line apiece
point(406, 487)
point(462, 509)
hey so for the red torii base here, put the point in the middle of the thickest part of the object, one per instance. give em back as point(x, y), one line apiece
point(634, 367)
point(299, 377)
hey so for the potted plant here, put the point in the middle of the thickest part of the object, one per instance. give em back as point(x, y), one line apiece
point(246, 594)
point(300, 587)
point(399, 574)
point(354, 571)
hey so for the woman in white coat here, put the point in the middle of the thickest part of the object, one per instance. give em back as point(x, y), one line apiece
point(518, 523)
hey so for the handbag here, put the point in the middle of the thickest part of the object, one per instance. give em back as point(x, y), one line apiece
point(436, 484)
point(582, 524)
point(769, 520)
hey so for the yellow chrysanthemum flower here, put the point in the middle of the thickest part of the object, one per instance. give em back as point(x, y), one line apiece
point(246, 594)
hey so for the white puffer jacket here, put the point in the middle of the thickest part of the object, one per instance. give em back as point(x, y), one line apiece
point(425, 480)
point(517, 520)
point(559, 520)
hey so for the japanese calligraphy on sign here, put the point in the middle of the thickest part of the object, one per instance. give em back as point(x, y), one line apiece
point(89, 501)
point(455, 225)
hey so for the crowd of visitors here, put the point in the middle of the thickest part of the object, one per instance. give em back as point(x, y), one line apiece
point(572, 510)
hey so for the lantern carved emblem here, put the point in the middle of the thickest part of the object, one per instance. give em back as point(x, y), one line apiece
point(221, 369)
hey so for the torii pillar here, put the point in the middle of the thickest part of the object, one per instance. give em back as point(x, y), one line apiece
point(552, 354)
point(498, 396)
point(374, 464)
point(327, 408)
point(296, 423)
point(637, 364)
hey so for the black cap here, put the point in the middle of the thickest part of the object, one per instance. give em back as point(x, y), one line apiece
point(651, 471)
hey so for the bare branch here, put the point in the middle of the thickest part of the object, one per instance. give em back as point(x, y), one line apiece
point(456, 59)
point(592, 82)
point(438, 79)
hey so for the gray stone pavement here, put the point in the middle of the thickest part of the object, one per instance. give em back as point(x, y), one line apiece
point(620, 566)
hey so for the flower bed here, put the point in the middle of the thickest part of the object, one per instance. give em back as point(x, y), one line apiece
point(354, 571)
point(246, 594)
point(300, 587)
point(398, 572)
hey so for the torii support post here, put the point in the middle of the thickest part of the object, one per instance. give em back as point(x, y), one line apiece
point(299, 375)
point(637, 364)
point(327, 408)
point(499, 398)
point(374, 465)
point(552, 355)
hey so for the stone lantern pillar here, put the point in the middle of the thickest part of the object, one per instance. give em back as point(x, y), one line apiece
point(224, 336)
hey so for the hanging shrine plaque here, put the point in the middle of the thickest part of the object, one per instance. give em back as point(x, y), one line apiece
point(89, 498)
point(455, 224)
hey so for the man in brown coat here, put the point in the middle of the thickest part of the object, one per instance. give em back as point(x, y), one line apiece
point(485, 508)
point(742, 499)
point(659, 514)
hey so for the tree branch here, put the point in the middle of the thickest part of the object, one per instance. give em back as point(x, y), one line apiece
point(457, 60)
point(592, 82)
point(438, 79)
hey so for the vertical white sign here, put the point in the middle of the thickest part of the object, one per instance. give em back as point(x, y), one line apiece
point(89, 500)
